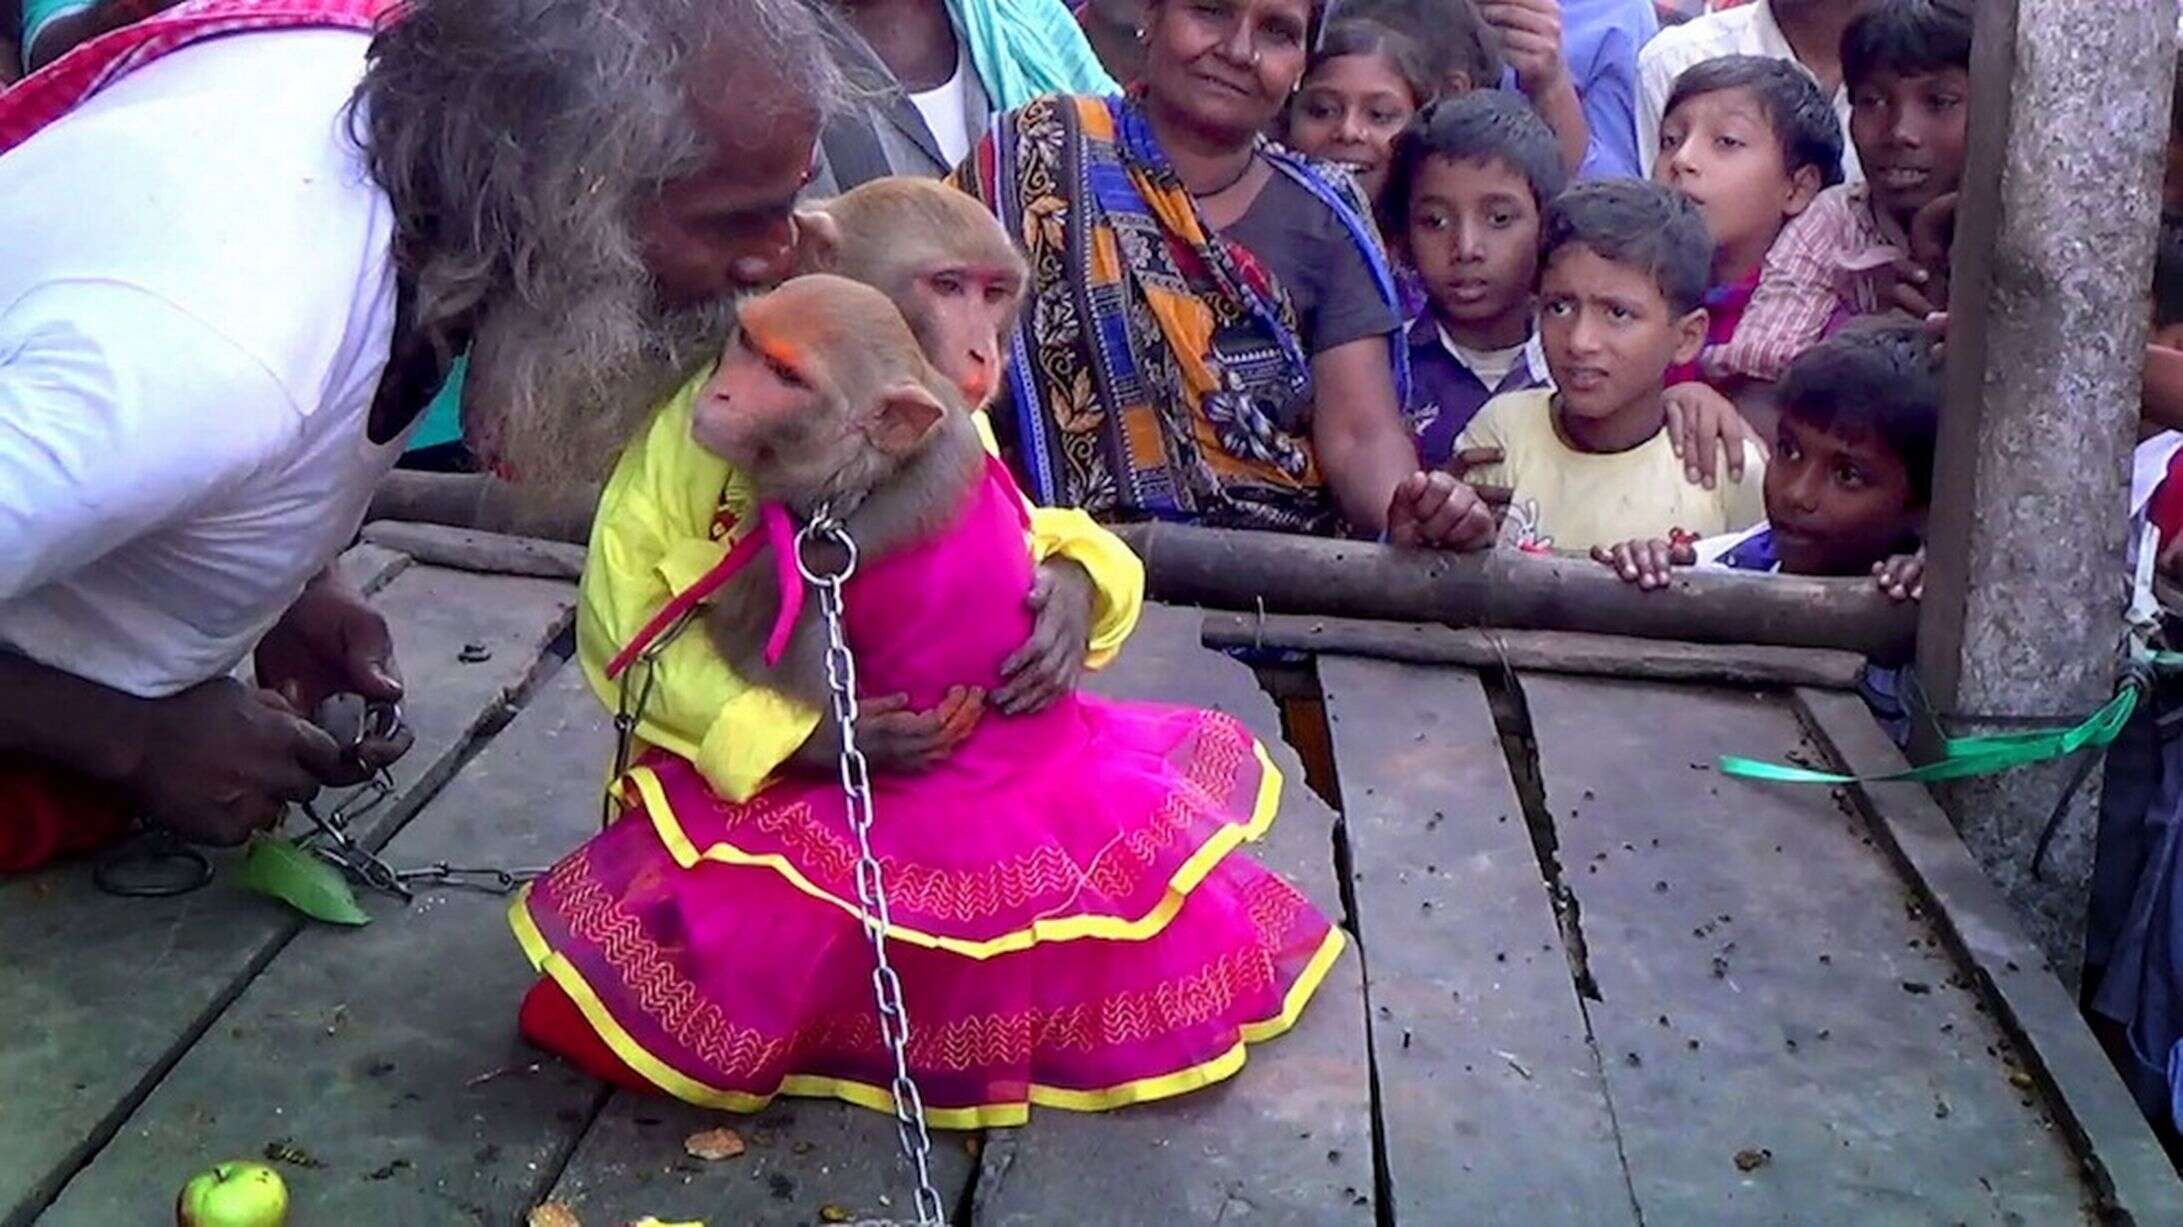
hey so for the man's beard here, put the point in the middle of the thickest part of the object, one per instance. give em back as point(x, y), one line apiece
point(556, 391)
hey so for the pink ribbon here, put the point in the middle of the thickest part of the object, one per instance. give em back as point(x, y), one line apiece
point(777, 531)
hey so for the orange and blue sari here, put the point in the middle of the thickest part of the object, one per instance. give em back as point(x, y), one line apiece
point(1129, 393)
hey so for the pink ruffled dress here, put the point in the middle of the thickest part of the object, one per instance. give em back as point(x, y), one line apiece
point(1071, 924)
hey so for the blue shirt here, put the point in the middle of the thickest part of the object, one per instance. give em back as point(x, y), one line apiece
point(1445, 393)
point(1881, 688)
point(1599, 40)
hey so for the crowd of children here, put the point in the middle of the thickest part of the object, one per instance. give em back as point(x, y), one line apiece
point(1557, 329)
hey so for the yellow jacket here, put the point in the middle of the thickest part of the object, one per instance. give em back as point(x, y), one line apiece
point(667, 516)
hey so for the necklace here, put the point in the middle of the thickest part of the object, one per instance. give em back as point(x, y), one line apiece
point(1233, 180)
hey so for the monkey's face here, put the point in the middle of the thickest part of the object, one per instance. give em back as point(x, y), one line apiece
point(821, 393)
point(959, 312)
point(775, 421)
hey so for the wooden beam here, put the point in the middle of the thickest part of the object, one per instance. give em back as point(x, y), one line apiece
point(466, 549)
point(1665, 660)
point(475, 500)
point(1304, 575)
point(2024, 597)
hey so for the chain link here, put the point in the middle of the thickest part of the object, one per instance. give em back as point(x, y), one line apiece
point(856, 784)
point(627, 717)
point(351, 721)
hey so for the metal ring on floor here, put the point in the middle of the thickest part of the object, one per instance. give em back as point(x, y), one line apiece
point(153, 865)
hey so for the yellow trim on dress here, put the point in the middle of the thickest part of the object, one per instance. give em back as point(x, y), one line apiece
point(1049, 929)
point(878, 1099)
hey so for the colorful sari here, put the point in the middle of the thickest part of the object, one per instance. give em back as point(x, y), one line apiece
point(1129, 394)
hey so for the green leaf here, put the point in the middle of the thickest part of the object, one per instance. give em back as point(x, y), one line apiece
point(274, 866)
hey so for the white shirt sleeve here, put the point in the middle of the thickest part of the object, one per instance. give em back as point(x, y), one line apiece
point(1656, 73)
point(120, 414)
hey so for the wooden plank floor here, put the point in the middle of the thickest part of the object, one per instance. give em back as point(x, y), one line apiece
point(1490, 1089)
point(1472, 1082)
point(1769, 987)
point(102, 994)
point(1289, 1138)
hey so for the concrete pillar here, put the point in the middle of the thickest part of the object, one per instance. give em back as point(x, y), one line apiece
point(2053, 251)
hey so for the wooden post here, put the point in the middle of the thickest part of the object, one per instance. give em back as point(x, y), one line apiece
point(2053, 250)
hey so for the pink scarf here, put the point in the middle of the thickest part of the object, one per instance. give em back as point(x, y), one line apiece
point(58, 88)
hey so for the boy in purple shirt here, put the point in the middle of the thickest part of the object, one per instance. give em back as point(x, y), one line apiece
point(1468, 182)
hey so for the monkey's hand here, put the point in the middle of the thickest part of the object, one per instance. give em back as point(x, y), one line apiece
point(1051, 661)
point(894, 738)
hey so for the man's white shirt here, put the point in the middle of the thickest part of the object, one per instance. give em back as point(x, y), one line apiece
point(196, 304)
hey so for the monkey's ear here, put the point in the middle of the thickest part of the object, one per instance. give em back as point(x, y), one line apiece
point(906, 414)
point(818, 240)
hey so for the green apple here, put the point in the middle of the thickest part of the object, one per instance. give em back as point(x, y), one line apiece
point(238, 1194)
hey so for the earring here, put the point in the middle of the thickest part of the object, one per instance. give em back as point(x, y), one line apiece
point(1140, 34)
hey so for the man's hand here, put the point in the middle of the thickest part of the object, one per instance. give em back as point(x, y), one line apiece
point(1435, 511)
point(330, 642)
point(1051, 661)
point(221, 760)
point(1902, 577)
point(1645, 563)
point(1530, 33)
point(1705, 430)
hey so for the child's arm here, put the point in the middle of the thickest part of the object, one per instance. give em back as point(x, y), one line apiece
point(1795, 298)
point(1705, 428)
point(1643, 562)
point(1530, 32)
point(1480, 459)
point(2162, 401)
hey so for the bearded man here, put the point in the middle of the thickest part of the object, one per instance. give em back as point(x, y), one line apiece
point(239, 248)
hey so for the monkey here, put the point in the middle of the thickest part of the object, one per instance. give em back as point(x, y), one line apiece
point(939, 255)
point(824, 398)
point(949, 267)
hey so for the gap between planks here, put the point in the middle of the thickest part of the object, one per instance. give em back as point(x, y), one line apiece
point(1490, 1092)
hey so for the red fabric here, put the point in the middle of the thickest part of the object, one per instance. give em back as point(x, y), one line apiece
point(2166, 508)
point(1724, 308)
point(551, 1020)
point(47, 813)
point(58, 88)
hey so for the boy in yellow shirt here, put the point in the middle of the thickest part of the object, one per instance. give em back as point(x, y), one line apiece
point(1624, 267)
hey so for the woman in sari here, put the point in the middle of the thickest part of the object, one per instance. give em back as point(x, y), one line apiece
point(1206, 337)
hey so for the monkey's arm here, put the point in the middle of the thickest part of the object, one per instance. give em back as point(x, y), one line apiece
point(1117, 575)
point(652, 539)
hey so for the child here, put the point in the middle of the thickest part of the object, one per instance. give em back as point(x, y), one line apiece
point(1364, 83)
point(2156, 485)
point(1065, 909)
point(1907, 66)
point(1852, 473)
point(1590, 462)
point(1751, 141)
point(1457, 42)
point(1848, 487)
point(1470, 178)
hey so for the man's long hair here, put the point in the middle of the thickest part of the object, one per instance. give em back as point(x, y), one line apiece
point(517, 140)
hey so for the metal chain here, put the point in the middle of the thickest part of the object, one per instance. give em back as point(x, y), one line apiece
point(856, 784)
point(351, 721)
point(626, 717)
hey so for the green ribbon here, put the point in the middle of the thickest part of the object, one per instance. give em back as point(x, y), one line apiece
point(1968, 756)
